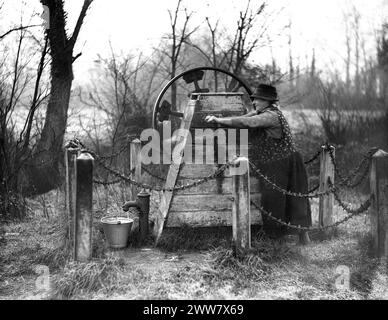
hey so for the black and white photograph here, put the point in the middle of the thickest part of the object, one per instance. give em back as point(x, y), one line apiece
point(194, 156)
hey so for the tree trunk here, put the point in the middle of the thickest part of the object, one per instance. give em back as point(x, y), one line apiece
point(42, 173)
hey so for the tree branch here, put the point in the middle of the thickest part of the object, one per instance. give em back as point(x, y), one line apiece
point(18, 29)
point(77, 56)
point(80, 20)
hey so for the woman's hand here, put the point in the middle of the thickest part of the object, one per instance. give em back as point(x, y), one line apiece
point(211, 119)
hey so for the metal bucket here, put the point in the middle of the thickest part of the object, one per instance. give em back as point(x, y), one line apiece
point(116, 230)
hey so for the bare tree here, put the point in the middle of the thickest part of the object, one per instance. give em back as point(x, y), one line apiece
point(43, 174)
point(15, 82)
point(382, 61)
point(290, 58)
point(178, 37)
point(242, 47)
point(313, 67)
point(20, 28)
point(348, 52)
point(123, 93)
point(356, 29)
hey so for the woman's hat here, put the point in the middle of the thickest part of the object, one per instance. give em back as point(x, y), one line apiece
point(265, 92)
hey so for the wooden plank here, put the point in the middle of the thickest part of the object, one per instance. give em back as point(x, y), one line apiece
point(162, 213)
point(200, 153)
point(199, 118)
point(195, 171)
point(212, 152)
point(220, 105)
point(216, 186)
point(222, 102)
point(379, 205)
point(207, 218)
point(241, 213)
point(205, 202)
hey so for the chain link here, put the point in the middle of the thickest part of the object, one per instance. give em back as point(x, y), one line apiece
point(107, 183)
point(121, 176)
point(365, 206)
point(110, 183)
point(260, 175)
point(116, 154)
point(314, 189)
point(315, 157)
point(146, 170)
point(346, 207)
point(217, 173)
point(152, 174)
point(256, 171)
point(346, 182)
point(76, 143)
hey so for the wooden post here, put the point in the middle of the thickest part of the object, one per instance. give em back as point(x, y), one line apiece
point(135, 164)
point(379, 205)
point(84, 208)
point(241, 215)
point(326, 202)
point(70, 158)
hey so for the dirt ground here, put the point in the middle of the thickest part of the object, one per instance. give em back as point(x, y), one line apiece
point(293, 271)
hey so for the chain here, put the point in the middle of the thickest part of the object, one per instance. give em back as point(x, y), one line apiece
point(116, 154)
point(366, 162)
point(365, 206)
point(182, 187)
point(76, 143)
point(260, 175)
point(121, 176)
point(164, 179)
point(152, 174)
point(315, 157)
point(361, 177)
point(110, 183)
point(314, 189)
point(107, 183)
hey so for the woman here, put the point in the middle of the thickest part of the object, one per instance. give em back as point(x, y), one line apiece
point(273, 151)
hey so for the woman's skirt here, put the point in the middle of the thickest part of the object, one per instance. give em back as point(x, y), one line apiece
point(289, 174)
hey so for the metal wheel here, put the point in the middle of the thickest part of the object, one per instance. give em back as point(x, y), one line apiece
point(180, 88)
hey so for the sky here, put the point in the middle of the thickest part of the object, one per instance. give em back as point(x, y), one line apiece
point(137, 26)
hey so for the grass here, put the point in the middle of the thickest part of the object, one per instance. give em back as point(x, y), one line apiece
point(191, 264)
point(77, 278)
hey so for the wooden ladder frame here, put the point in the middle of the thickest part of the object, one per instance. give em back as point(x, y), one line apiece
point(162, 212)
